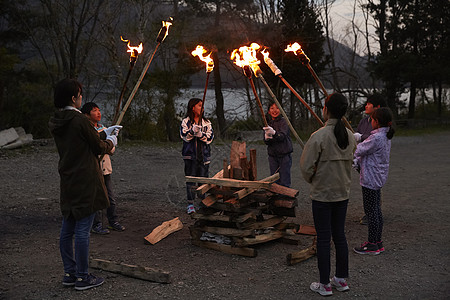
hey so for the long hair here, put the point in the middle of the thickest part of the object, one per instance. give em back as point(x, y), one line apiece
point(383, 116)
point(337, 106)
point(192, 102)
point(65, 90)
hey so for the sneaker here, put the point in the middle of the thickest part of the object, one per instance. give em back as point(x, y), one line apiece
point(367, 248)
point(90, 282)
point(363, 220)
point(190, 209)
point(380, 246)
point(322, 289)
point(116, 226)
point(98, 229)
point(69, 279)
point(340, 285)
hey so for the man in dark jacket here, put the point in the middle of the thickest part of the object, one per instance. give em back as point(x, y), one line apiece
point(279, 146)
point(82, 189)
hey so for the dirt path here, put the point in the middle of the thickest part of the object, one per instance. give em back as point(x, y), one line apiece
point(149, 184)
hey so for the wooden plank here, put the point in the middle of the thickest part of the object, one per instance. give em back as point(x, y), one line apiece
point(226, 171)
point(221, 218)
point(164, 230)
point(302, 255)
point(286, 203)
point(244, 167)
point(237, 151)
point(266, 223)
point(282, 190)
point(261, 238)
point(226, 231)
point(206, 187)
point(243, 251)
point(229, 182)
point(144, 273)
point(306, 229)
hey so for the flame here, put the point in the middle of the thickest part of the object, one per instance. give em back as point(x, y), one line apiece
point(199, 51)
point(134, 51)
point(164, 31)
point(294, 48)
point(265, 53)
point(246, 56)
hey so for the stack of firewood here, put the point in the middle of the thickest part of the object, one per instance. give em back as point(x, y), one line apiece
point(240, 211)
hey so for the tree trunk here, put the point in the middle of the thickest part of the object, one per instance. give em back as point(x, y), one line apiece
point(412, 100)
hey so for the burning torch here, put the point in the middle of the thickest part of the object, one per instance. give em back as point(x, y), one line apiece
point(297, 49)
point(134, 53)
point(199, 51)
point(163, 32)
point(253, 64)
point(269, 62)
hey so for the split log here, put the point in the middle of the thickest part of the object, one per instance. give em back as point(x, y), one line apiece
point(164, 230)
point(247, 191)
point(230, 182)
point(237, 151)
point(206, 187)
point(264, 224)
point(209, 200)
point(243, 251)
point(282, 190)
point(302, 255)
point(286, 203)
point(220, 218)
point(144, 273)
point(306, 229)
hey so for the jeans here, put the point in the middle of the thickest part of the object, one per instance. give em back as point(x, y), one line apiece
point(197, 169)
point(329, 220)
point(111, 210)
point(80, 229)
point(281, 165)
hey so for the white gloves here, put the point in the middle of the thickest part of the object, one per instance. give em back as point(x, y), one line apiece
point(113, 139)
point(197, 130)
point(357, 136)
point(113, 130)
point(268, 132)
point(355, 165)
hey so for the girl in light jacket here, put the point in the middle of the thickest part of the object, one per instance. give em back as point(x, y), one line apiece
point(372, 160)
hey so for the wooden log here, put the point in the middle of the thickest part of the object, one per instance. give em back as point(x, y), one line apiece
point(164, 230)
point(206, 187)
point(221, 218)
point(226, 171)
point(302, 255)
point(237, 151)
point(230, 182)
point(261, 238)
point(243, 251)
point(286, 203)
point(244, 167)
point(252, 174)
point(282, 190)
point(144, 273)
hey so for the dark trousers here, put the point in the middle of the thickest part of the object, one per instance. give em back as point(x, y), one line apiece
point(329, 220)
point(197, 169)
point(372, 209)
point(282, 165)
point(111, 210)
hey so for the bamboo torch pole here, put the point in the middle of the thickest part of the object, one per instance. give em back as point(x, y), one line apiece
point(269, 62)
point(199, 51)
point(258, 73)
point(163, 32)
point(249, 75)
point(306, 61)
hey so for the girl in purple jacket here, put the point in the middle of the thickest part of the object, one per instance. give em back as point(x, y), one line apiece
point(372, 160)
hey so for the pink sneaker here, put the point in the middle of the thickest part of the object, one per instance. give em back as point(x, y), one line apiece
point(340, 285)
point(322, 289)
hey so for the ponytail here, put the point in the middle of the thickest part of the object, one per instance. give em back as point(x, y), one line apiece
point(384, 117)
point(336, 105)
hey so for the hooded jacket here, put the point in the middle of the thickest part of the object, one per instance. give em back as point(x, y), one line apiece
point(82, 189)
point(191, 143)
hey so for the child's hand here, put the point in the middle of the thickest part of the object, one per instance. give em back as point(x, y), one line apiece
point(355, 165)
point(113, 130)
point(357, 136)
point(269, 131)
